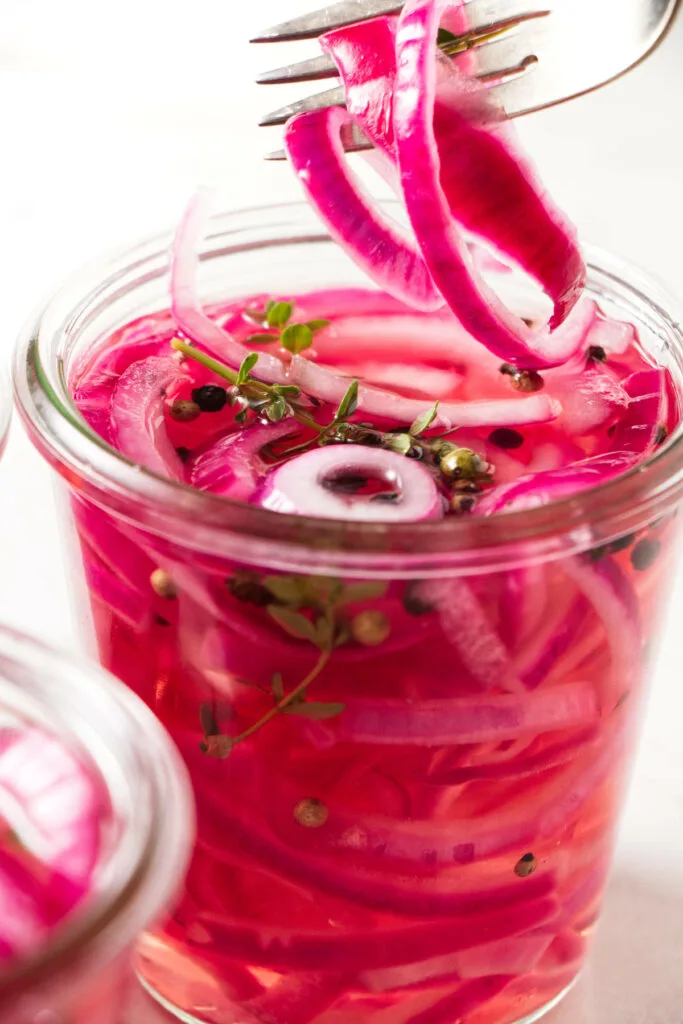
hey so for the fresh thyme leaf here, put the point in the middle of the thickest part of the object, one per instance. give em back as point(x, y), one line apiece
point(322, 590)
point(276, 410)
point(248, 364)
point(363, 591)
point(287, 390)
point(261, 339)
point(349, 402)
point(289, 589)
point(278, 687)
point(444, 37)
point(400, 443)
point(424, 421)
point(208, 721)
point(241, 417)
point(318, 325)
point(316, 710)
point(218, 746)
point(293, 623)
point(279, 314)
point(296, 338)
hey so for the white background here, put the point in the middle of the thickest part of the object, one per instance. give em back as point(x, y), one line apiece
point(110, 114)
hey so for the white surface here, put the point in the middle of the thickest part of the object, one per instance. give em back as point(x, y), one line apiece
point(111, 113)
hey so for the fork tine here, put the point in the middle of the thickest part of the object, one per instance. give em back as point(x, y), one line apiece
point(334, 16)
point(353, 141)
point(329, 98)
point(307, 71)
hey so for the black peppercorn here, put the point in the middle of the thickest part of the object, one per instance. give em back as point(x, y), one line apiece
point(183, 453)
point(210, 397)
point(507, 438)
point(596, 354)
point(644, 554)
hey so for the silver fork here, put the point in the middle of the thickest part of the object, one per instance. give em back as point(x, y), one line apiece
point(533, 54)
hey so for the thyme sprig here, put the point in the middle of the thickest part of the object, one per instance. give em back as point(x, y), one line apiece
point(294, 337)
point(275, 401)
point(325, 627)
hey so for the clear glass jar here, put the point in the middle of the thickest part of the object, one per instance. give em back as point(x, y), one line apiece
point(423, 854)
point(95, 744)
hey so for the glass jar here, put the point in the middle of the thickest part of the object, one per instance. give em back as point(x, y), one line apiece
point(89, 855)
point(428, 837)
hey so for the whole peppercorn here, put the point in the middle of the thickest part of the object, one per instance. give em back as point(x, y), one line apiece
point(311, 813)
point(527, 381)
point(644, 554)
point(462, 463)
point(184, 411)
point(370, 628)
point(596, 354)
point(506, 438)
point(461, 503)
point(526, 865)
point(210, 397)
point(163, 585)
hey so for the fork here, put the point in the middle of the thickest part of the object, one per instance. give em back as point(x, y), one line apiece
point(532, 54)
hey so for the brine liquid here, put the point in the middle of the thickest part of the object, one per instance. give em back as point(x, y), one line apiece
point(426, 839)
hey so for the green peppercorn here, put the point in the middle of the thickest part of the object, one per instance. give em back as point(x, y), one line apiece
point(462, 463)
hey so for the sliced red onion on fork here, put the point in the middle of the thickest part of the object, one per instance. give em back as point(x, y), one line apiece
point(440, 239)
point(378, 246)
point(491, 190)
point(316, 484)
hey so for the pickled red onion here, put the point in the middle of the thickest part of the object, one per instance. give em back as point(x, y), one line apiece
point(315, 150)
point(475, 304)
point(304, 485)
point(232, 466)
point(490, 189)
point(469, 719)
point(137, 414)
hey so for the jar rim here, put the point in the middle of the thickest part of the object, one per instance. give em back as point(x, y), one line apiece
point(214, 523)
point(144, 869)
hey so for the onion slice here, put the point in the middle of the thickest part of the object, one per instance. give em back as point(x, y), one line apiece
point(137, 413)
point(315, 150)
point(442, 245)
point(186, 307)
point(233, 466)
point(489, 719)
point(305, 486)
point(491, 190)
point(637, 429)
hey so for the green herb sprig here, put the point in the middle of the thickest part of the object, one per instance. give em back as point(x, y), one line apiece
point(324, 627)
point(294, 337)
